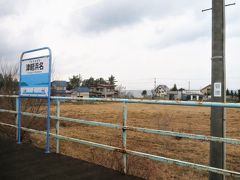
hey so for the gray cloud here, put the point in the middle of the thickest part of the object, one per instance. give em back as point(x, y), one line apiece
point(6, 7)
point(14, 41)
point(12, 47)
point(182, 33)
point(8, 50)
point(11, 7)
point(109, 14)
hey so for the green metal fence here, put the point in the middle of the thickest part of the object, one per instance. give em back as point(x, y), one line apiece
point(126, 152)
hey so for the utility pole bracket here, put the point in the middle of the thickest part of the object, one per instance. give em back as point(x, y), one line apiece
point(217, 57)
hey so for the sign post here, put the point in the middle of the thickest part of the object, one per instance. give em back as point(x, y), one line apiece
point(35, 82)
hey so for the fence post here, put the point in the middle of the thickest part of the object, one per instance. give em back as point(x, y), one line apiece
point(124, 137)
point(19, 119)
point(16, 122)
point(57, 126)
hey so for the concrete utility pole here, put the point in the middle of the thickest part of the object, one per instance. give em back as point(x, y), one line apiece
point(218, 115)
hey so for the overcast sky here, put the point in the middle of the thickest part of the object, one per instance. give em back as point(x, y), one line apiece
point(134, 40)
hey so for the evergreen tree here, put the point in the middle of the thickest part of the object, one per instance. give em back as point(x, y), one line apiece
point(144, 93)
point(239, 94)
point(232, 93)
point(74, 82)
point(174, 88)
point(112, 80)
point(88, 82)
point(235, 94)
point(1, 81)
point(100, 81)
point(227, 92)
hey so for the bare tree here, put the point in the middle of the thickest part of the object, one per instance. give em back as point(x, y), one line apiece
point(121, 91)
point(9, 85)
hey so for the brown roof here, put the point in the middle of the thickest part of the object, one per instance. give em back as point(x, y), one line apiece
point(103, 85)
point(206, 86)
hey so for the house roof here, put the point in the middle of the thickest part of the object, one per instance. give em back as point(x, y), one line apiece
point(164, 87)
point(208, 86)
point(59, 83)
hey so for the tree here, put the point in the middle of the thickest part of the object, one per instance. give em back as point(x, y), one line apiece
point(121, 90)
point(8, 79)
point(9, 85)
point(174, 88)
point(100, 81)
point(74, 82)
point(181, 89)
point(144, 93)
point(112, 80)
point(239, 95)
point(235, 94)
point(129, 95)
point(93, 82)
point(88, 82)
point(232, 93)
point(227, 92)
point(1, 81)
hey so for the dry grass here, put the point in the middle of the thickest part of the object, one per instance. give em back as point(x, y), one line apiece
point(175, 118)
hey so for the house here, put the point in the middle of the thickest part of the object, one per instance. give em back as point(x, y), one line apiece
point(161, 92)
point(59, 88)
point(174, 95)
point(207, 90)
point(185, 95)
point(80, 92)
point(192, 95)
point(103, 91)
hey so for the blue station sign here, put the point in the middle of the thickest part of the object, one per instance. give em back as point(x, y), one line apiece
point(35, 77)
point(35, 82)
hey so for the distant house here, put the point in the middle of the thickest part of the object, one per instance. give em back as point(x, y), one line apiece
point(174, 95)
point(161, 92)
point(103, 91)
point(192, 95)
point(186, 95)
point(80, 92)
point(58, 88)
point(207, 90)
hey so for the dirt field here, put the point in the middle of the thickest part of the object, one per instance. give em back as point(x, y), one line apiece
point(194, 120)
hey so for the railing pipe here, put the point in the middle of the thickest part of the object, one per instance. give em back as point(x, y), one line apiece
point(16, 121)
point(57, 126)
point(138, 129)
point(163, 102)
point(185, 135)
point(124, 137)
point(19, 119)
point(93, 123)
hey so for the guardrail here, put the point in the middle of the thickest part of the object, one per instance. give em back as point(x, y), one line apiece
point(126, 128)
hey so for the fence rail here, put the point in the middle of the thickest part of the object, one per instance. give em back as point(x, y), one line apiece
point(126, 128)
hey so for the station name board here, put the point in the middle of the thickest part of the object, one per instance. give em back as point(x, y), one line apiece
point(35, 77)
